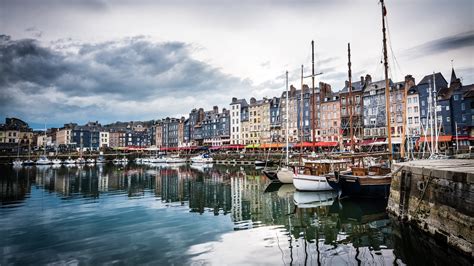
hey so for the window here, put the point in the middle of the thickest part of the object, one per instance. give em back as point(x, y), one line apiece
point(410, 121)
point(422, 103)
point(448, 119)
point(464, 118)
point(423, 112)
point(409, 110)
point(415, 109)
point(409, 100)
point(447, 108)
point(456, 97)
point(463, 106)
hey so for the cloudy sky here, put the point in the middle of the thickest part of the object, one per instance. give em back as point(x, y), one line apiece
point(105, 60)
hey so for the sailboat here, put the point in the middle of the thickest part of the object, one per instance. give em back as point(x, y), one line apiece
point(374, 181)
point(43, 159)
point(18, 161)
point(285, 174)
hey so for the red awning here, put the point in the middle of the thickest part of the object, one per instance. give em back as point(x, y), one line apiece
point(215, 148)
point(305, 144)
point(432, 138)
point(234, 146)
point(367, 142)
point(326, 144)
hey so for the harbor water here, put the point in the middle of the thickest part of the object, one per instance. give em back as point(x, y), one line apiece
point(193, 215)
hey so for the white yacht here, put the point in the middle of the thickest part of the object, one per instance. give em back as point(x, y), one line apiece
point(80, 160)
point(203, 158)
point(43, 160)
point(90, 160)
point(57, 161)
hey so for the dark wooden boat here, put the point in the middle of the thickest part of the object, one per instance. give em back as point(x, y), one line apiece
point(361, 182)
point(263, 163)
point(271, 174)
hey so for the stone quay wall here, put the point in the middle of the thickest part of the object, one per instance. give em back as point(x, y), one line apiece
point(437, 196)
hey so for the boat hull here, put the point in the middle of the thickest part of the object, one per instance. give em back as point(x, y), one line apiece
point(306, 199)
point(271, 174)
point(285, 175)
point(311, 183)
point(361, 186)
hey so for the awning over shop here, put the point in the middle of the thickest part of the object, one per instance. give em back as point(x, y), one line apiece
point(305, 144)
point(234, 146)
point(326, 144)
point(252, 146)
point(215, 148)
point(447, 138)
point(271, 145)
point(367, 142)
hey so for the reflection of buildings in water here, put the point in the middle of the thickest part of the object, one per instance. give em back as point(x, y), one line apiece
point(14, 185)
point(247, 198)
point(103, 180)
point(208, 194)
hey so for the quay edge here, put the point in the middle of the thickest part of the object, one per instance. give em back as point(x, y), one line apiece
point(437, 197)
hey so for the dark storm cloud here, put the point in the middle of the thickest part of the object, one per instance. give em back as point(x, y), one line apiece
point(458, 41)
point(82, 78)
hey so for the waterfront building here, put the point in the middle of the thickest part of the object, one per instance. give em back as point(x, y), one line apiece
point(303, 113)
point(181, 139)
point(166, 132)
point(239, 113)
point(104, 139)
point(412, 108)
point(374, 108)
point(87, 137)
point(193, 128)
point(158, 133)
point(215, 127)
point(116, 139)
point(320, 93)
point(329, 127)
point(15, 132)
point(275, 119)
point(259, 121)
point(356, 104)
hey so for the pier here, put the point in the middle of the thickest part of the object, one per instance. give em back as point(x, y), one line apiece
point(437, 197)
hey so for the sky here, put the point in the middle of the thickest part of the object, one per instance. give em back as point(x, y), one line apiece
point(107, 61)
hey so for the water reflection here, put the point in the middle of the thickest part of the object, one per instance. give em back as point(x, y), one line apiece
point(179, 214)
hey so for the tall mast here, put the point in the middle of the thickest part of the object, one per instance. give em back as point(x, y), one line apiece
point(387, 87)
point(430, 117)
point(313, 102)
point(435, 112)
point(349, 64)
point(287, 126)
point(404, 121)
point(301, 113)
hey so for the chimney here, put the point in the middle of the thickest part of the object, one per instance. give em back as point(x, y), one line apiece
point(409, 81)
point(347, 84)
point(362, 81)
point(292, 91)
point(368, 79)
point(234, 100)
point(216, 109)
point(253, 100)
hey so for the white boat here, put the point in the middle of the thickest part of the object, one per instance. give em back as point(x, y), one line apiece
point(138, 160)
point(17, 162)
point(305, 199)
point(28, 162)
point(80, 160)
point(69, 161)
point(175, 160)
point(124, 160)
point(90, 160)
point(312, 176)
point(285, 175)
point(203, 158)
point(43, 160)
point(57, 161)
point(202, 167)
point(100, 160)
point(157, 160)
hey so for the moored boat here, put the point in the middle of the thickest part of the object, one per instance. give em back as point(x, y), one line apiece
point(57, 161)
point(313, 174)
point(43, 160)
point(203, 158)
point(271, 174)
point(285, 175)
point(362, 182)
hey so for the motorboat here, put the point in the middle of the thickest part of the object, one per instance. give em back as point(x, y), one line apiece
point(175, 159)
point(43, 160)
point(57, 161)
point(202, 158)
point(80, 160)
point(90, 160)
point(17, 162)
point(69, 161)
point(100, 159)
